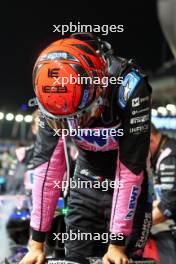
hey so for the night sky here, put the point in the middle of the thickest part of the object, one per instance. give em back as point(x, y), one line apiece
point(26, 30)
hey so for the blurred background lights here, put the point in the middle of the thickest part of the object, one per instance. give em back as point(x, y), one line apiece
point(171, 109)
point(28, 118)
point(162, 110)
point(19, 118)
point(9, 117)
point(154, 112)
point(1, 115)
point(24, 107)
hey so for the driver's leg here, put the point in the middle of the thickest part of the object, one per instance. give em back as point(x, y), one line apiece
point(142, 223)
point(85, 218)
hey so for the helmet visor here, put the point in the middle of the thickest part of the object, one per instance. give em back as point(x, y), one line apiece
point(80, 119)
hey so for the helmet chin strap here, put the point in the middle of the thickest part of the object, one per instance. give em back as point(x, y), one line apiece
point(32, 102)
point(66, 189)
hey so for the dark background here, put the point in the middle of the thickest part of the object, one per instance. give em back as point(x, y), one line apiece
point(26, 30)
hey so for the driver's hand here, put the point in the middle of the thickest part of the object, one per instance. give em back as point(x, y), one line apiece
point(35, 254)
point(115, 254)
point(155, 203)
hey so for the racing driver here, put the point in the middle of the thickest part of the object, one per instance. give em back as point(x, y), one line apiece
point(123, 211)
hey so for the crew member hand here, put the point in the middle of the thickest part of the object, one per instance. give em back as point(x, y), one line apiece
point(35, 255)
point(115, 254)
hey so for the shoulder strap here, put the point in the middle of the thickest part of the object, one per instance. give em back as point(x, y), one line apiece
point(116, 66)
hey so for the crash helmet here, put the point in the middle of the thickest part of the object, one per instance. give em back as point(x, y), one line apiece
point(67, 80)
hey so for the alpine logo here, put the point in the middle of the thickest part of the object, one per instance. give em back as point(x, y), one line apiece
point(132, 202)
point(92, 139)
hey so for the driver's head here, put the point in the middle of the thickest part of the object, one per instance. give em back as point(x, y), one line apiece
point(155, 138)
point(62, 92)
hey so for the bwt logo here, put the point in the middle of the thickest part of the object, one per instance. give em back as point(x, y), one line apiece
point(132, 202)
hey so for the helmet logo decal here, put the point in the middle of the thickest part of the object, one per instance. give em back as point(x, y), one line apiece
point(53, 72)
point(126, 91)
point(54, 89)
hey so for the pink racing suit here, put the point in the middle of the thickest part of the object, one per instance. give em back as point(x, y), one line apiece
point(121, 158)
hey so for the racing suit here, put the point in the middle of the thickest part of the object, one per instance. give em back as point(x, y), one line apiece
point(164, 163)
point(125, 211)
point(165, 176)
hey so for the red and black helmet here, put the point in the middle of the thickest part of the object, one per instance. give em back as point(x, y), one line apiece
point(59, 97)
